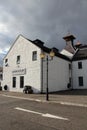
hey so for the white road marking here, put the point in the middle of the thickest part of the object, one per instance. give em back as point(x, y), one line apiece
point(73, 104)
point(53, 116)
point(44, 115)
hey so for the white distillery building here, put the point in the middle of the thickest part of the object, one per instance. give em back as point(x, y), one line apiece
point(78, 55)
point(79, 66)
point(23, 66)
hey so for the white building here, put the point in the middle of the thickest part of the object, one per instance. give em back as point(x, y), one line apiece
point(79, 66)
point(78, 55)
point(23, 66)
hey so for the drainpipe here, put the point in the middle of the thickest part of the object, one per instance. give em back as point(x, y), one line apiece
point(71, 76)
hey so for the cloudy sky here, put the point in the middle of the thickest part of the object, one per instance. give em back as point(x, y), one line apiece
point(47, 20)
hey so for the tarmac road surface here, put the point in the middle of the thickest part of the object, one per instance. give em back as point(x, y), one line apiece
point(18, 114)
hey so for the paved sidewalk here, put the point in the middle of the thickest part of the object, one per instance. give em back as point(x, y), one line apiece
point(66, 98)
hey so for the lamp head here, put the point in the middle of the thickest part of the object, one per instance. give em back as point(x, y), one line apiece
point(52, 54)
point(42, 55)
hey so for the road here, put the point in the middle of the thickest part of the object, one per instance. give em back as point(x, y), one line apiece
point(18, 114)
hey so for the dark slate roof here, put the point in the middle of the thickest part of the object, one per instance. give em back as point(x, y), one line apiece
point(40, 44)
point(81, 53)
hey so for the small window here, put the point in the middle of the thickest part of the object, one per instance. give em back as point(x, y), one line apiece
point(14, 82)
point(18, 59)
point(6, 62)
point(69, 66)
point(34, 55)
point(80, 81)
point(1, 77)
point(21, 81)
point(79, 65)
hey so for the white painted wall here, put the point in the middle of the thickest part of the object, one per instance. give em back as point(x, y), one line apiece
point(59, 74)
point(66, 53)
point(79, 72)
point(24, 48)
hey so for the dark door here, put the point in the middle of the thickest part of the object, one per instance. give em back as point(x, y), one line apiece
point(21, 81)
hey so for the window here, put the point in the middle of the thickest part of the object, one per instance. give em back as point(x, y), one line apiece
point(34, 55)
point(21, 81)
point(80, 81)
point(6, 62)
point(79, 65)
point(69, 66)
point(14, 82)
point(1, 77)
point(18, 59)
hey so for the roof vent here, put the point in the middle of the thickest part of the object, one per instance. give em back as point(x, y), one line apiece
point(55, 49)
point(78, 44)
point(38, 42)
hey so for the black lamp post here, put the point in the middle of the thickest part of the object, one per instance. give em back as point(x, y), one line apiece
point(47, 90)
point(42, 55)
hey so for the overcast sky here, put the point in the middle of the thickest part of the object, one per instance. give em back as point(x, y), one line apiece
point(47, 20)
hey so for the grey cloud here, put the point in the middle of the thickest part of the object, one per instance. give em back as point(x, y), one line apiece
point(48, 20)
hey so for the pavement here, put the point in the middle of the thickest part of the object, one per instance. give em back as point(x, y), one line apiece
point(71, 97)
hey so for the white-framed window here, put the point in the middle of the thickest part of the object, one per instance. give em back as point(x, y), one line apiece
point(1, 77)
point(69, 66)
point(80, 80)
point(18, 59)
point(14, 82)
point(34, 55)
point(6, 62)
point(21, 81)
point(79, 65)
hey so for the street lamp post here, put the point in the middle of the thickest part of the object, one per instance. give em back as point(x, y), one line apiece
point(47, 91)
point(42, 55)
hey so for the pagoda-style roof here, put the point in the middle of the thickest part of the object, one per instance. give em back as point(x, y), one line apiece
point(69, 37)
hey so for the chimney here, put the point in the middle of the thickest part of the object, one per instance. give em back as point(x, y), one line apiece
point(69, 39)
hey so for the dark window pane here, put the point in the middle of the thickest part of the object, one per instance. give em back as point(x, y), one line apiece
point(1, 76)
point(18, 59)
point(34, 55)
point(6, 62)
point(21, 81)
point(14, 82)
point(69, 66)
point(80, 81)
point(79, 65)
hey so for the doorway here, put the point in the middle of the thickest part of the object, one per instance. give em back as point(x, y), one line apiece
point(21, 81)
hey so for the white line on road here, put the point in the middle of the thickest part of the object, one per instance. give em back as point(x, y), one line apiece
point(73, 104)
point(44, 115)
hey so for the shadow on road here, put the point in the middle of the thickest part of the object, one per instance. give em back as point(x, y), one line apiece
point(72, 92)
